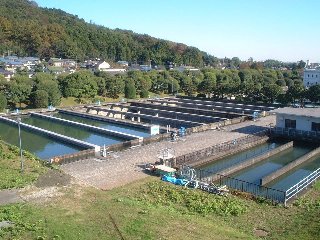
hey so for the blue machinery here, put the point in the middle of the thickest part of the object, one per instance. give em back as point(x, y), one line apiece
point(188, 178)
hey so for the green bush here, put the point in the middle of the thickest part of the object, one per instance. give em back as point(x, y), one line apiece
point(130, 90)
point(3, 102)
point(144, 93)
point(192, 200)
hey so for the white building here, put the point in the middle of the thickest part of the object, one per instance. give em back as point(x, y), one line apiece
point(186, 68)
point(311, 77)
point(103, 66)
point(305, 119)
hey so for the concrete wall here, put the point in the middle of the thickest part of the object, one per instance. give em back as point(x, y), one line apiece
point(289, 166)
point(218, 156)
point(68, 158)
point(252, 161)
point(219, 149)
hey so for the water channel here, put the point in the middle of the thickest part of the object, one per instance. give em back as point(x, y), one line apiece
point(42, 146)
point(73, 131)
point(237, 158)
point(103, 124)
point(249, 178)
point(294, 176)
point(254, 173)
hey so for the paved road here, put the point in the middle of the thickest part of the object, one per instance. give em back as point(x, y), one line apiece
point(124, 167)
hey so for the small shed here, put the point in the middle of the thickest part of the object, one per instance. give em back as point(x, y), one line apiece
point(304, 119)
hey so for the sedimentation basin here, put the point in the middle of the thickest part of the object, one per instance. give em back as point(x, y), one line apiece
point(42, 146)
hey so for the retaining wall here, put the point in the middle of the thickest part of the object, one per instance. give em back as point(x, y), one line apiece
point(252, 161)
point(68, 158)
point(289, 167)
point(224, 148)
point(231, 151)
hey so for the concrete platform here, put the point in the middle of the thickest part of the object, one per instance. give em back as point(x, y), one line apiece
point(121, 168)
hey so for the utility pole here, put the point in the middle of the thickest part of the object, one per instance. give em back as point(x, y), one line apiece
point(20, 145)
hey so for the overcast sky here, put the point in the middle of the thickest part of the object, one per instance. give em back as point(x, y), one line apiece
point(286, 30)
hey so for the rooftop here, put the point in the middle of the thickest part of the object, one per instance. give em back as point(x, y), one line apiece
point(308, 112)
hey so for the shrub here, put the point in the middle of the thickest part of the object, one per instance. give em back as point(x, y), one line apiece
point(130, 89)
point(3, 102)
point(144, 93)
point(193, 200)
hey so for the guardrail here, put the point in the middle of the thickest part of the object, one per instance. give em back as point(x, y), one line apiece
point(303, 184)
point(294, 133)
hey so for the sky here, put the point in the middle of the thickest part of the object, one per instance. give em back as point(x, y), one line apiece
point(285, 30)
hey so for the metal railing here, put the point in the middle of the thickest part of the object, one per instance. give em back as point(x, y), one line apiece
point(301, 185)
point(294, 133)
point(275, 195)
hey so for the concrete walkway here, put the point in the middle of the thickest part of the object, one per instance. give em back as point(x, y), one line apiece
point(121, 168)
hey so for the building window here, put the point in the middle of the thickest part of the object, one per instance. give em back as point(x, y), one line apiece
point(312, 75)
point(315, 127)
point(290, 123)
point(308, 75)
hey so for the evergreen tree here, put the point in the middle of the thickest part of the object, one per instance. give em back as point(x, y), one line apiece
point(40, 99)
point(130, 89)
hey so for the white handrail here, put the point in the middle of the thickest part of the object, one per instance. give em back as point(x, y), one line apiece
point(302, 184)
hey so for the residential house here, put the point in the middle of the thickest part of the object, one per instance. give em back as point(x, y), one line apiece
point(64, 63)
point(186, 68)
point(102, 66)
point(123, 63)
point(7, 74)
point(145, 68)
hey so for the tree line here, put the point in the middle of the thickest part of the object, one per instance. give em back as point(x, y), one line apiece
point(250, 85)
point(29, 30)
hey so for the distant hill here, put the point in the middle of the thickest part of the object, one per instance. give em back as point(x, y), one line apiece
point(26, 29)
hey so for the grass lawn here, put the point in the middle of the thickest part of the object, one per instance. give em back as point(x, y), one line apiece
point(151, 209)
point(148, 209)
point(10, 174)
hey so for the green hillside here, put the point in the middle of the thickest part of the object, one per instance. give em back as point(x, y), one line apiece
point(26, 29)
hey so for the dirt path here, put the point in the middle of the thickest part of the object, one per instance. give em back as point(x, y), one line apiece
point(124, 167)
point(9, 196)
point(49, 185)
